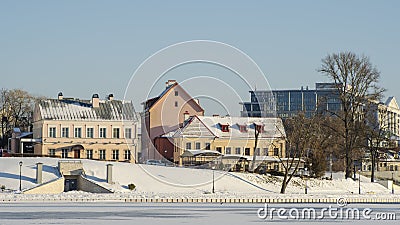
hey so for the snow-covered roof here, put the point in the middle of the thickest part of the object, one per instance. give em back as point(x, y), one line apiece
point(203, 126)
point(75, 109)
point(191, 153)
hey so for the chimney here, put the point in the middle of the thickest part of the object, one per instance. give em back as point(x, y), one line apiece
point(110, 97)
point(170, 83)
point(197, 101)
point(60, 96)
point(186, 115)
point(109, 173)
point(39, 169)
point(95, 101)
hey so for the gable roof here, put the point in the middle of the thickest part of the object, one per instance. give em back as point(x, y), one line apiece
point(391, 102)
point(148, 104)
point(75, 109)
point(207, 126)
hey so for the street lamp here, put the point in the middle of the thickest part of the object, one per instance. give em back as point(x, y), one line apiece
point(213, 182)
point(20, 168)
point(392, 183)
point(359, 182)
point(306, 187)
point(330, 164)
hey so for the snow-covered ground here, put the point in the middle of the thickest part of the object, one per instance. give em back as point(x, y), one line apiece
point(173, 182)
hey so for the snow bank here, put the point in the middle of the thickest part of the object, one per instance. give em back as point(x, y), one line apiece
point(174, 182)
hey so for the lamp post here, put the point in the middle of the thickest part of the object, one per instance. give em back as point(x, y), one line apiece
point(359, 182)
point(330, 164)
point(20, 169)
point(213, 182)
point(306, 187)
point(392, 183)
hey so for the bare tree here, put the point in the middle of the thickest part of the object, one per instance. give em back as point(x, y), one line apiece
point(257, 131)
point(356, 80)
point(298, 135)
point(16, 110)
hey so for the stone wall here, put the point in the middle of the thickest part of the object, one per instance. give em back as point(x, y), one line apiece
point(70, 167)
point(51, 187)
point(90, 186)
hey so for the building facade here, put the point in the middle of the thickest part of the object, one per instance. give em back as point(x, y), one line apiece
point(90, 129)
point(163, 114)
point(231, 140)
point(388, 115)
point(288, 103)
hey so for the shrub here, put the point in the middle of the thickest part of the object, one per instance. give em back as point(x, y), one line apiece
point(276, 173)
point(131, 187)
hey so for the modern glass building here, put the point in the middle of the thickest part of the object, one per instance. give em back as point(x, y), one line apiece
point(287, 103)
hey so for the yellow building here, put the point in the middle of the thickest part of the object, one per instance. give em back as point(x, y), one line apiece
point(90, 129)
point(231, 140)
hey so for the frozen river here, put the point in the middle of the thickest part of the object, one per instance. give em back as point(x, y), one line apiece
point(149, 214)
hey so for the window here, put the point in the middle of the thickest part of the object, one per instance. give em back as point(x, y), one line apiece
point(115, 154)
point(208, 146)
point(198, 145)
point(176, 93)
point(52, 152)
point(247, 151)
point(102, 154)
point(78, 132)
point(52, 132)
point(89, 154)
point(89, 132)
point(237, 151)
point(188, 146)
point(224, 127)
point(276, 151)
point(257, 151)
point(115, 132)
point(266, 151)
point(260, 128)
point(219, 149)
point(176, 104)
point(128, 133)
point(103, 132)
point(64, 153)
point(228, 150)
point(127, 155)
point(243, 128)
point(65, 132)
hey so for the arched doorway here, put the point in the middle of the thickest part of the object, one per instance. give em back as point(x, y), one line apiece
point(76, 149)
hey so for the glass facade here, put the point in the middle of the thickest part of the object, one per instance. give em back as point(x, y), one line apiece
point(288, 103)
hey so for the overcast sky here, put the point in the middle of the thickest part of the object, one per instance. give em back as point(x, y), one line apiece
point(86, 47)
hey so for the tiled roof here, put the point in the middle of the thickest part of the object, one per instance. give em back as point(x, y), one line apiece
point(74, 109)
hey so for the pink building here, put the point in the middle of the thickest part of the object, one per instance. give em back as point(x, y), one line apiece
point(163, 114)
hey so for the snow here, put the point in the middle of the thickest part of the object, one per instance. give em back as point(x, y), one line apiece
point(174, 182)
point(160, 214)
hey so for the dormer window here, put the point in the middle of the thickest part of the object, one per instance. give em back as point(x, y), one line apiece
point(224, 127)
point(242, 128)
point(259, 127)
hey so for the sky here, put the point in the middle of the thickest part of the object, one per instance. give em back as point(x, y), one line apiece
point(86, 47)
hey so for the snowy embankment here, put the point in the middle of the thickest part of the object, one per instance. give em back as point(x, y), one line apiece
point(159, 182)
